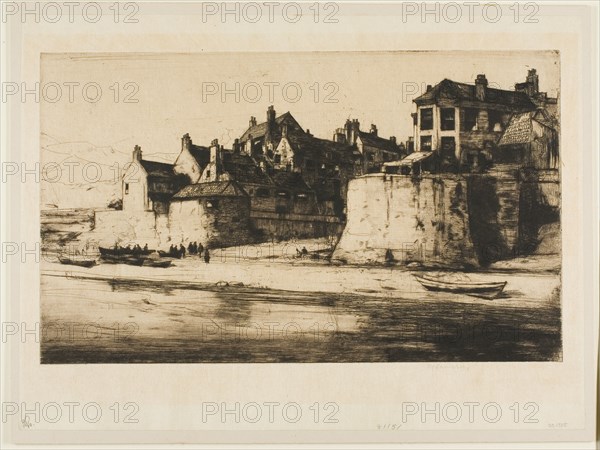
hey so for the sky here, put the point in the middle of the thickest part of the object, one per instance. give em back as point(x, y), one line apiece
point(183, 93)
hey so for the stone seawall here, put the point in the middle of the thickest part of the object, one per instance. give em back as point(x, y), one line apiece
point(424, 220)
point(295, 226)
point(450, 220)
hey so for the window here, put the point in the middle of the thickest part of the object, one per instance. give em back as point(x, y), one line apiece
point(427, 119)
point(447, 116)
point(127, 188)
point(425, 143)
point(494, 120)
point(469, 121)
point(208, 174)
point(301, 196)
point(448, 147)
point(277, 159)
point(283, 194)
point(212, 203)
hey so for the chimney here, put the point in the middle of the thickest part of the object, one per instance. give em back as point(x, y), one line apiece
point(252, 121)
point(215, 152)
point(533, 83)
point(480, 87)
point(374, 129)
point(270, 114)
point(355, 130)
point(137, 153)
point(393, 139)
point(340, 135)
point(308, 132)
point(186, 141)
point(429, 88)
point(236, 146)
point(348, 131)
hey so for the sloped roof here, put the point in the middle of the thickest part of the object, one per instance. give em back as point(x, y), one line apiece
point(448, 89)
point(316, 147)
point(410, 159)
point(211, 189)
point(259, 130)
point(242, 168)
point(163, 182)
point(520, 127)
point(372, 140)
point(290, 180)
point(157, 169)
point(518, 130)
point(201, 155)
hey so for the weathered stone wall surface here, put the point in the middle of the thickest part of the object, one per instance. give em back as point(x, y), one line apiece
point(450, 220)
point(290, 226)
point(494, 215)
point(540, 200)
point(213, 223)
point(424, 220)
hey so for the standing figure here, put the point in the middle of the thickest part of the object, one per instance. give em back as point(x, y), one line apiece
point(206, 256)
point(181, 251)
point(200, 249)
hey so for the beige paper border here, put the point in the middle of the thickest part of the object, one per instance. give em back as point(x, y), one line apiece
point(565, 391)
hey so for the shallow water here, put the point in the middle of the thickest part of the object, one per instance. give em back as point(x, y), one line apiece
point(86, 321)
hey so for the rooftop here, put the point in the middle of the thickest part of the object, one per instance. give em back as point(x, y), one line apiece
point(212, 189)
point(157, 169)
point(448, 89)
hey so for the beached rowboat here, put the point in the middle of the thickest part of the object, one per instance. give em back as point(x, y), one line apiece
point(125, 259)
point(81, 262)
point(477, 289)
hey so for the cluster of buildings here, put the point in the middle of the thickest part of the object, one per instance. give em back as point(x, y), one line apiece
point(459, 127)
point(278, 181)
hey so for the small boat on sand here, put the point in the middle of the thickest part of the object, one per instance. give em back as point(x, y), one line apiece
point(125, 259)
point(77, 261)
point(476, 289)
point(157, 263)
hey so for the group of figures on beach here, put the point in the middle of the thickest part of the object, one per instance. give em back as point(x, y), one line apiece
point(193, 248)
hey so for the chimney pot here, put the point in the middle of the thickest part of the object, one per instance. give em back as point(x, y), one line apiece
point(137, 153)
point(270, 114)
point(481, 83)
